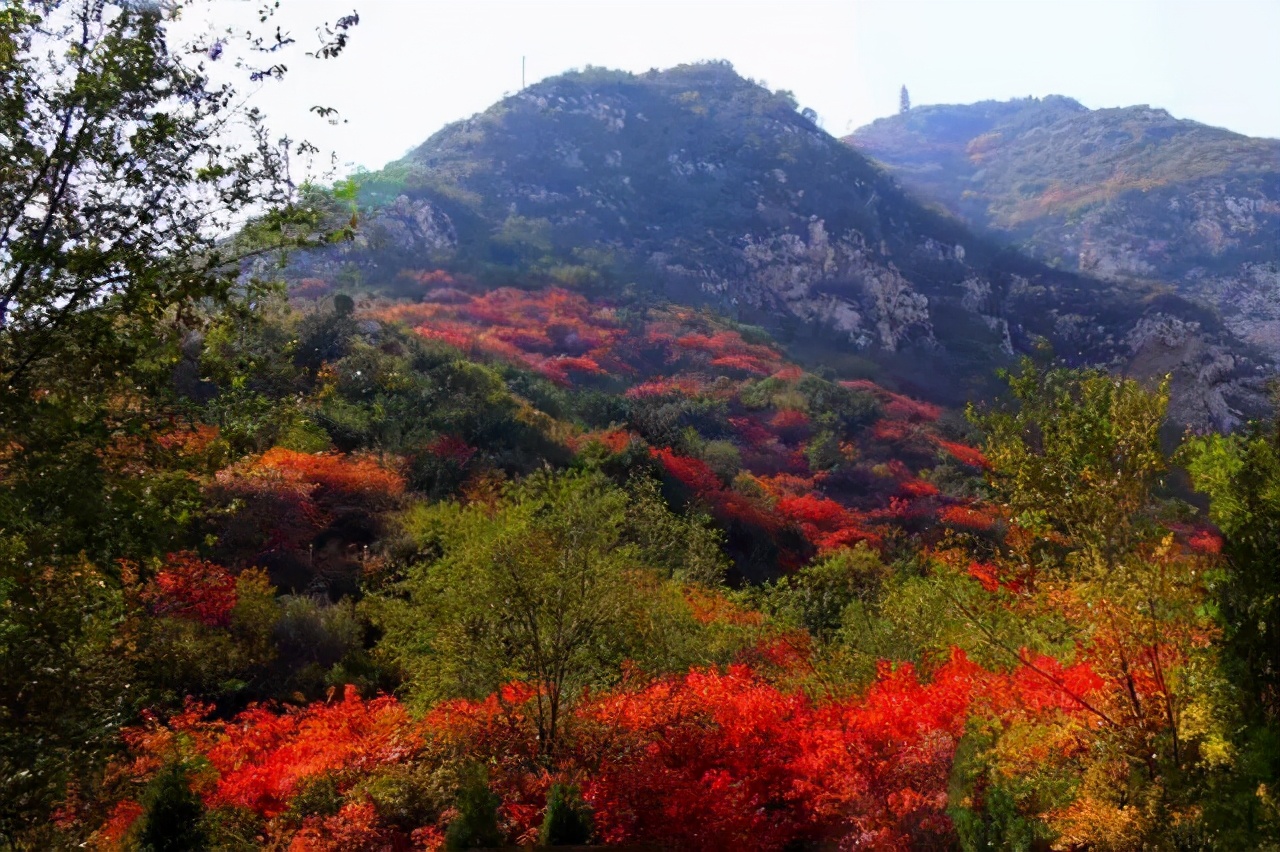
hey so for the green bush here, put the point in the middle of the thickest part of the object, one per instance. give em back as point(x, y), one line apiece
point(568, 819)
point(476, 825)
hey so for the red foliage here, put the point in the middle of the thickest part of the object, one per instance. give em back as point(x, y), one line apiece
point(311, 288)
point(825, 523)
point(700, 762)
point(707, 760)
point(751, 432)
point(190, 587)
point(680, 386)
point(123, 816)
point(613, 440)
point(436, 277)
point(876, 769)
point(333, 473)
point(693, 473)
point(451, 448)
point(1205, 541)
point(553, 331)
point(262, 757)
point(993, 578)
point(969, 517)
point(742, 363)
point(896, 406)
point(356, 827)
point(790, 425)
point(918, 488)
point(888, 431)
point(963, 453)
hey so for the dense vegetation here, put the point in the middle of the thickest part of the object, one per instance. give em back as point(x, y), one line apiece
point(451, 565)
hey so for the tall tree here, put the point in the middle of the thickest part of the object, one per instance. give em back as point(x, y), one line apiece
point(553, 587)
point(123, 167)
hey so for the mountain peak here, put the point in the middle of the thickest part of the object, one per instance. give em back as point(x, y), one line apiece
point(708, 188)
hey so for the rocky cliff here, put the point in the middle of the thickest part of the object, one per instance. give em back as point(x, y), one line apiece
point(1131, 196)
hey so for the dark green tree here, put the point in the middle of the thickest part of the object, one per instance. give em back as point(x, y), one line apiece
point(1241, 475)
point(567, 821)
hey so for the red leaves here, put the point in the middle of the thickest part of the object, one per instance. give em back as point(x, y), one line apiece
point(700, 762)
point(189, 587)
point(286, 498)
point(451, 448)
point(918, 488)
point(262, 757)
point(790, 425)
point(708, 759)
point(1205, 541)
point(553, 332)
point(692, 473)
point(963, 453)
point(681, 386)
point(977, 518)
point(825, 523)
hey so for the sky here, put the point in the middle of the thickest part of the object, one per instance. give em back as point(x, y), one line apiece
point(413, 66)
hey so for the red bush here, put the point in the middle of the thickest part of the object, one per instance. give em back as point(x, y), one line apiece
point(190, 587)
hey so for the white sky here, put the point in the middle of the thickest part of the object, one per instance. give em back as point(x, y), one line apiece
point(415, 65)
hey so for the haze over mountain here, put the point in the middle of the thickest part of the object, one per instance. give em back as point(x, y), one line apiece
point(706, 186)
point(1127, 195)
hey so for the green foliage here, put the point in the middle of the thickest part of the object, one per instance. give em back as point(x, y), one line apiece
point(817, 596)
point(66, 676)
point(548, 587)
point(723, 458)
point(476, 825)
point(567, 821)
point(1078, 453)
point(1241, 475)
point(172, 821)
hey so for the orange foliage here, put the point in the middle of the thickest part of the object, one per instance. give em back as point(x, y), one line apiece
point(334, 473)
point(980, 518)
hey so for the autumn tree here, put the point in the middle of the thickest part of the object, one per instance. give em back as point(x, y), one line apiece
point(123, 169)
point(1077, 453)
point(1086, 571)
point(548, 588)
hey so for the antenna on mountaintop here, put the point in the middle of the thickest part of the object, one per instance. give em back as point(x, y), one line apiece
point(522, 73)
point(904, 100)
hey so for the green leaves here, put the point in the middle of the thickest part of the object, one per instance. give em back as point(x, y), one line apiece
point(1077, 453)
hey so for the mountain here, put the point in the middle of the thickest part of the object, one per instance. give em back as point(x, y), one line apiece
point(707, 188)
point(1128, 195)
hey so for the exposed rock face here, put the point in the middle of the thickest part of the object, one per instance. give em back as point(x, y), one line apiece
point(789, 272)
point(1130, 196)
point(1212, 387)
point(414, 225)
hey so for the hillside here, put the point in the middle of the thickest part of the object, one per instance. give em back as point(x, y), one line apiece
point(706, 188)
point(1128, 195)
point(564, 486)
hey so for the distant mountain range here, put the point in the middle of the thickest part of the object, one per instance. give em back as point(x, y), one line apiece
point(1127, 195)
point(703, 187)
